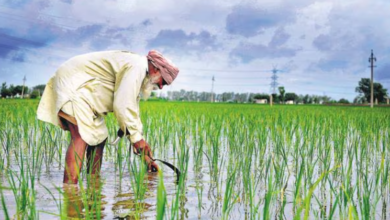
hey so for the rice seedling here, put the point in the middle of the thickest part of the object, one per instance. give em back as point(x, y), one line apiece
point(244, 161)
point(3, 204)
point(161, 197)
point(230, 196)
point(138, 185)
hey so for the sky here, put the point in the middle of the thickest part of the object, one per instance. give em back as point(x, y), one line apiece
point(316, 47)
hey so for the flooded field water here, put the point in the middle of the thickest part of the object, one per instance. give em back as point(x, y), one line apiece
point(238, 161)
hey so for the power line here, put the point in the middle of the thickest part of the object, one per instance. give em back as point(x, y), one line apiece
point(22, 19)
point(222, 70)
point(223, 85)
point(206, 77)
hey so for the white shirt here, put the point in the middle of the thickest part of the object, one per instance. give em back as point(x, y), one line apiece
point(97, 83)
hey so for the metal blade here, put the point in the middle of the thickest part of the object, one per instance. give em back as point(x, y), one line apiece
point(116, 141)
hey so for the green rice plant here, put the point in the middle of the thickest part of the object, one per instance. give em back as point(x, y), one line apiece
point(279, 152)
point(183, 159)
point(121, 153)
point(249, 180)
point(268, 198)
point(138, 171)
point(352, 212)
point(161, 197)
point(3, 204)
point(199, 192)
point(22, 185)
point(49, 139)
point(230, 197)
point(7, 143)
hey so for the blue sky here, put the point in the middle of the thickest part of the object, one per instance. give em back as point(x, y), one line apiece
point(320, 47)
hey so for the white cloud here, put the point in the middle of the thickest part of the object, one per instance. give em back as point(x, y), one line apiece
point(331, 40)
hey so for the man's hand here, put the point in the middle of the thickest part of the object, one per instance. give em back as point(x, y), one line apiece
point(152, 166)
point(143, 147)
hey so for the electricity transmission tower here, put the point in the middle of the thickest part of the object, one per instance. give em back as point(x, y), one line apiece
point(372, 59)
point(274, 83)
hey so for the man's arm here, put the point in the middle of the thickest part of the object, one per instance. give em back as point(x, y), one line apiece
point(126, 109)
point(126, 106)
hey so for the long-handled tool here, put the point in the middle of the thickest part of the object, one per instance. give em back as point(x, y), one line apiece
point(148, 159)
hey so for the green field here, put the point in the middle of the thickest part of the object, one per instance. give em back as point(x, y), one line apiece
point(238, 161)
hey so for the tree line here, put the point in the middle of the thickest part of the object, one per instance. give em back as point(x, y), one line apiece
point(12, 91)
point(363, 89)
point(184, 95)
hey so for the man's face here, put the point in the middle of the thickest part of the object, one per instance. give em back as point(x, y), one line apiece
point(160, 82)
point(156, 77)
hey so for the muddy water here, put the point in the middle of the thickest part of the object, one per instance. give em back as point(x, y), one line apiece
point(116, 197)
point(203, 198)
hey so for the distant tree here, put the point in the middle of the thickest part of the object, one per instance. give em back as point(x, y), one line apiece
point(360, 99)
point(291, 96)
point(5, 91)
point(11, 89)
point(282, 91)
point(364, 89)
point(252, 97)
point(205, 96)
point(325, 98)
point(40, 88)
point(175, 95)
point(195, 95)
point(262, 96)
point(34, 94)
point(306, 99)
point(316, 99)
point(275, 98)
point(343, 101)
point(299, 99)
point(226, 96)
point(191, 95)
point(18, 89)
point(242, 97)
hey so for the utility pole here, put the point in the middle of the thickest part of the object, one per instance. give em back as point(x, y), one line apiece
point(372, 59)
point(212, 89)
point(24, 81)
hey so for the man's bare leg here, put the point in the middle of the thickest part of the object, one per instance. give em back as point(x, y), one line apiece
point(74, 155)
point(95, 158)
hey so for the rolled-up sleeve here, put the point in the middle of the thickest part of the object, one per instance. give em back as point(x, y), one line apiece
point(126, 102)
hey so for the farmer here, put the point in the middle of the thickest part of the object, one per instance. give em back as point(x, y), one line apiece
point(88, 86)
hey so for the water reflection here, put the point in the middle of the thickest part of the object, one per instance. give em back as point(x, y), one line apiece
point(113, 197)
point(126, 205)
point(84, 201)
point(73, 204)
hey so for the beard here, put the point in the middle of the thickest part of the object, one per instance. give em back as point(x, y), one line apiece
point(147, 87)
